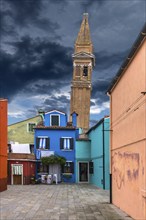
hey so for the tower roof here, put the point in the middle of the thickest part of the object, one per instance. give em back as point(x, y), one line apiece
point(83, 37)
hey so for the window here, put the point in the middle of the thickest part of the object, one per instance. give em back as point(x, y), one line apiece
point(43, 143)
point(30, 127)
point(85, 71)
point(32, 148)
point(42, 168)
point(54, 120)
point(68, 167)
point(66, 143)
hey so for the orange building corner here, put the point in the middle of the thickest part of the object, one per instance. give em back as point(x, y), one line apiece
point(3, 144)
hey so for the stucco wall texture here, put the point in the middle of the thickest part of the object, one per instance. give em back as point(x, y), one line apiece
point(18, 132)
point(128, 138)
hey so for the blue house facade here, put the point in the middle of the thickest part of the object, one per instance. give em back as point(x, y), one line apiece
point(57, 137)
point(92, 156)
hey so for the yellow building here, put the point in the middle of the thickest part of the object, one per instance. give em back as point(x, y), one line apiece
point(23, 132)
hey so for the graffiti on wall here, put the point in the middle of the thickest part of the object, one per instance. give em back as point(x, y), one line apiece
point(125, 166)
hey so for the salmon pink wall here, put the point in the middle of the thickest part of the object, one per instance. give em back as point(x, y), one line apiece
point(128, 138)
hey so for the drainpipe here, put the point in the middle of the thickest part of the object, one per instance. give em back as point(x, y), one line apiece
point(109, 95)
point(103, 155)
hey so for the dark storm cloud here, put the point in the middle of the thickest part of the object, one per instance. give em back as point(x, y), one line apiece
point(61, 99)
point(87, 4)
point(60, 103)
point(33, 60)
point(47, 86)
point(107, 66)
point(24, 15)
point(6, 23)
point(36, 40)
point(23, 11)
point(105, 60)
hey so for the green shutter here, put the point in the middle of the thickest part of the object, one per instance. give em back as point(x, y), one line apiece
point(37, 142)
point(72, 166)
point(47, 143)
point(61, 143)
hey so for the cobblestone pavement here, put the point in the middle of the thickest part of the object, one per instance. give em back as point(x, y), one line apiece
point(58, 202)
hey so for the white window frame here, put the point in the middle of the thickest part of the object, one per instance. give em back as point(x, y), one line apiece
point(67, 149)
point(69, 161)
point(42, 137)
point(51, 119)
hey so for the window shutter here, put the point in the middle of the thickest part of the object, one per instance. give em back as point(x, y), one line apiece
point(72, 167)
point(91, 167)
point(37, 143)
point(71, 143)
point(61, 143)
point(47, 143)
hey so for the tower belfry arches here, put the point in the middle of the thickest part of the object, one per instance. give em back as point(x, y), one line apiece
point(83, 63)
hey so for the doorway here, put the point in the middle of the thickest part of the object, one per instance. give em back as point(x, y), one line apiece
point(17, 174)
point(83, 172)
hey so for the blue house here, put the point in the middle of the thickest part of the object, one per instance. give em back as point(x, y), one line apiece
point(92, 155)
point(56, 136)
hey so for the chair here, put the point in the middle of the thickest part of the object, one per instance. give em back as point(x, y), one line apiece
point(55, 178)
point(43, 179)
point(49, 179)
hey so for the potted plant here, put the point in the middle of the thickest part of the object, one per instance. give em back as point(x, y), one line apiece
point(32, 179)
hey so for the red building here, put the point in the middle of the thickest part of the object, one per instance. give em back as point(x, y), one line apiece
point(21, 167)
point(3, 144)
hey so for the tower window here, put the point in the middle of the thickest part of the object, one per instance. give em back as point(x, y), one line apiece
point(85, 71)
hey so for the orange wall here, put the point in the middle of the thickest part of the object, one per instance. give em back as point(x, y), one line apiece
point(128, 138)
point(3, 144)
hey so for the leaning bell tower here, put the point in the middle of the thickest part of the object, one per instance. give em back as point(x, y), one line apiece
point(83, 62)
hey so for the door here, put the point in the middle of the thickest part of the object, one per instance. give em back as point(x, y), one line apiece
point(17, 174)
point(83, 172)
point(55, 169)
point(17, 179)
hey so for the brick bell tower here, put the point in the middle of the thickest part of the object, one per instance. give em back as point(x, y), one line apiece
point(83, 62)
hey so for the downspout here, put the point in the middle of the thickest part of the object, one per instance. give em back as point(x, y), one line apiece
point(103, 155)
point(110, 149)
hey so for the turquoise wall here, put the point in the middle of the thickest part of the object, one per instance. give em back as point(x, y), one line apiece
point(100, 153)
point(82, 153)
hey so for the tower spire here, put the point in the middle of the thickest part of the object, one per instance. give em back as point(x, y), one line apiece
point(84, 39)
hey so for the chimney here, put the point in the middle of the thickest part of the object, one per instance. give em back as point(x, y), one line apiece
point(74, 119)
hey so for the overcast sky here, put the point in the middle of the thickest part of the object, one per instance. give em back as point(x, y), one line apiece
point(37, 42)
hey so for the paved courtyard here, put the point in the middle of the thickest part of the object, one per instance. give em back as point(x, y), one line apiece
point(58, 202)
